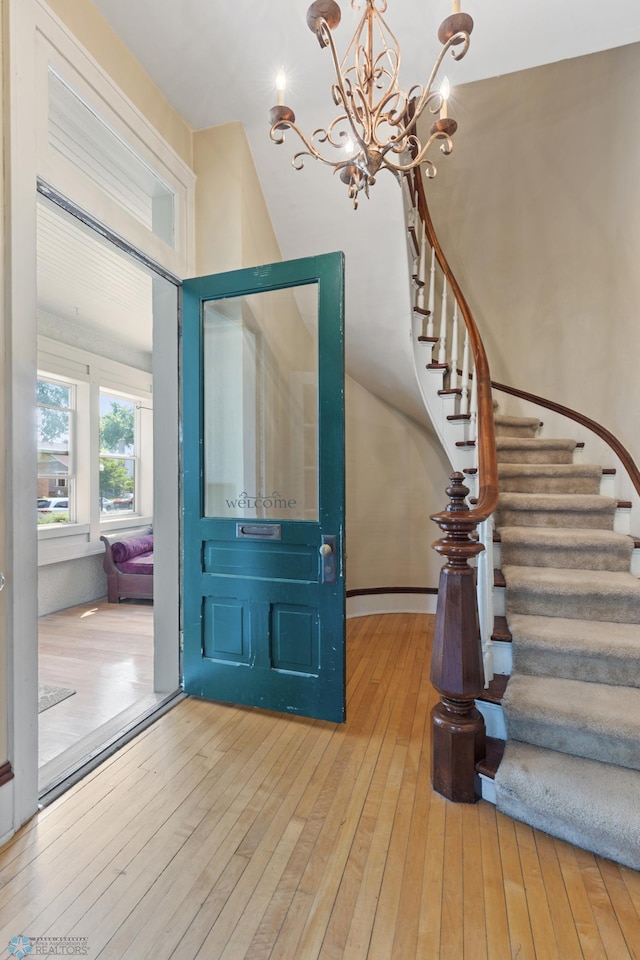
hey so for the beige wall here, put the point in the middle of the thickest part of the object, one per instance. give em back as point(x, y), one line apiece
point(538, 210)
point(227, 187)
point(86, 22)
point(396, 477)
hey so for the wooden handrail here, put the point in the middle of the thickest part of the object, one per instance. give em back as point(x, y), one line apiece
point(487, 460)
point(612, 441)
point(457, 673)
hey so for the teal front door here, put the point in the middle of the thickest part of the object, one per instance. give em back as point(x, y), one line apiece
point(263, 487)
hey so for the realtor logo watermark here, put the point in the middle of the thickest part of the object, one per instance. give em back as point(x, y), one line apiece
point(21, 947)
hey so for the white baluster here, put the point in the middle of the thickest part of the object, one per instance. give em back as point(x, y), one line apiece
point(473, 407)
point(422, 271)
point(453, 379)
point(442, 352)
point(431, 303)
point(485, 596)
point(464, 399)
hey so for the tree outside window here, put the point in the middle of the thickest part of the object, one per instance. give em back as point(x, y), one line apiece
point(55, 411)
point(117, 454)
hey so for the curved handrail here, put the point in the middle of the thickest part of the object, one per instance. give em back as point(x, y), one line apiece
point(487, 457)
point(612, 441)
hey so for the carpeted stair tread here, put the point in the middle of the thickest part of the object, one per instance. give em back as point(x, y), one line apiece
point(587, 803)
point(506, 426)
point(555, 510)
point(575, 594)
point(534, 450)
point(592, 720)
point(549, 477)
point(601, 652)
point(585, 549)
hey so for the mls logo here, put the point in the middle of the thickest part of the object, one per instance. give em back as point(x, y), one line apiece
point(20, 947)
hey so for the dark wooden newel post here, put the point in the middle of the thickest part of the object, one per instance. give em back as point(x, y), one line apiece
point(457, 727)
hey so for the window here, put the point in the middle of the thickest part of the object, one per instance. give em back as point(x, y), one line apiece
point(95, 449)
point(118, 458)
point(55, 425)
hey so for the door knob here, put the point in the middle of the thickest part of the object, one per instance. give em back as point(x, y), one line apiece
point(3, 580)
point(327, 551)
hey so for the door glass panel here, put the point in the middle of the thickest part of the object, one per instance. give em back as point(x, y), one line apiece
point(261, 405)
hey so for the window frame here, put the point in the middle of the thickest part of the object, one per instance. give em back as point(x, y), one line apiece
point(90, 375)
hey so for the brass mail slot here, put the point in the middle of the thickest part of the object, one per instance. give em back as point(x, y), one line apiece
point(259, 531)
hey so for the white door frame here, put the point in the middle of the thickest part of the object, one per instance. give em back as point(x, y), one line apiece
point(18, 601)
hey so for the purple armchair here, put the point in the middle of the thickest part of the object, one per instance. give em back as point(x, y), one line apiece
point(128, 563)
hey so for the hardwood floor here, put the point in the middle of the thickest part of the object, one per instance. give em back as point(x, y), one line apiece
point(235, 834)
point(104, 651)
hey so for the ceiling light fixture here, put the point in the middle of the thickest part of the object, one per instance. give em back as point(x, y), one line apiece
point(378, 117)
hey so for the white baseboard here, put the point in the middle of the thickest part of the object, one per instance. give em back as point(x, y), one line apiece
point(370, 604)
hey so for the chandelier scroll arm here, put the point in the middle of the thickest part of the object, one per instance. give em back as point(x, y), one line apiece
point(446, 147)
point(277, 136)
point(427, 93)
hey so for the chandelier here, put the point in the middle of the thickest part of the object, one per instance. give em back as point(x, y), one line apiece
point(376, 125)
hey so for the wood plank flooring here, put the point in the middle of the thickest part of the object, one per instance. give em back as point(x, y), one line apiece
point(235, 834)
point(104, 651)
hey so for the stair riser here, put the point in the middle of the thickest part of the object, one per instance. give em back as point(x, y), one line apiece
point(518, 455)
point(622, 520)
point(576, 740)
point(593, 520)
point(616, 560)
point(550, 485)
point(573, 665)
point(620, 607)
point(494, 719)
point(510, 431)
point(502, 655)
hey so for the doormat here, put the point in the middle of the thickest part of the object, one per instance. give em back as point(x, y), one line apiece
point(49, 696)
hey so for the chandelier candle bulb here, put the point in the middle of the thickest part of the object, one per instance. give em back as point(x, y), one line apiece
point(281, 86)
point(455, 6)
point(445, 90)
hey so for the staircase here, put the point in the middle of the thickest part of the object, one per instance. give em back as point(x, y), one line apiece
point(559, 617)
point(571, 765)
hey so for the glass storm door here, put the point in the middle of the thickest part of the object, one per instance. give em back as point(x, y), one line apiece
point(263, 487)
